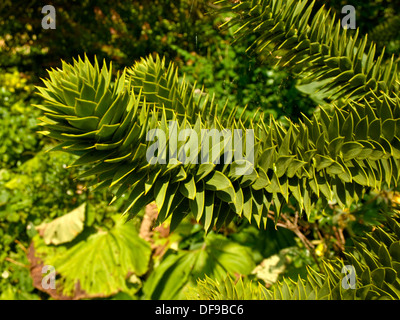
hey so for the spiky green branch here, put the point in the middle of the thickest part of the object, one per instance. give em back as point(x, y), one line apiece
point(317, 46)
point(106, 122)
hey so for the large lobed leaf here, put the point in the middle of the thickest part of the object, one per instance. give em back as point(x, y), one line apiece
point(65, 228)
point(97, 264)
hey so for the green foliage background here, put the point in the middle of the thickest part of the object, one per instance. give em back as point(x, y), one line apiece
point(36, 187)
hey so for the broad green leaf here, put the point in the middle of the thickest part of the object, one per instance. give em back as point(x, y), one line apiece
point(101, 262)
point(65, 228)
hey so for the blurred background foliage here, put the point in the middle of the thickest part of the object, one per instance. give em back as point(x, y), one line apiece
point(36, 187)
